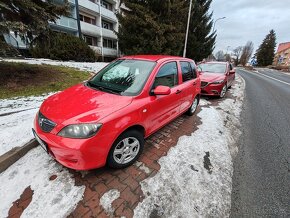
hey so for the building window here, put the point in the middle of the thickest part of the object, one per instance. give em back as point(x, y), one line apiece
point(107, 25)
point(108, 43)
point(90, 40)
point(106, 5)
point(88, 19)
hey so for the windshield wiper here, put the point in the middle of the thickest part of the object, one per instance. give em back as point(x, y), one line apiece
point(101, 88)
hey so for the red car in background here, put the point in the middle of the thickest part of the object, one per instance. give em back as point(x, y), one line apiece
point(216, 78)
point(105, 120)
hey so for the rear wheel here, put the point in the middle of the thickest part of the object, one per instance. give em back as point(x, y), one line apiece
point(193, 106)
point(223, 91)
point(126, 149)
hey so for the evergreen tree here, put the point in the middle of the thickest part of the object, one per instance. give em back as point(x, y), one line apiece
point(29, 17)
point(201, 41)
point(152, 27)
point(266, 52)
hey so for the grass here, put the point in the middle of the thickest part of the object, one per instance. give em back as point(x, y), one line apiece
point(20, 79)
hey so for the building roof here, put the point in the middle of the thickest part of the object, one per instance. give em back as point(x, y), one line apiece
point(283, 46)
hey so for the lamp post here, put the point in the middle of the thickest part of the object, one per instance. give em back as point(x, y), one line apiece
point(221, 18)
point(187, 28)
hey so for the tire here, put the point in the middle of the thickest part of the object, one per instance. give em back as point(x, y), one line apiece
point(223, 91)
point(193, 106)
point(126, 149)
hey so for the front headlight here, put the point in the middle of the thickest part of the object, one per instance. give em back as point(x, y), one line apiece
point(80, 131)
point(218, 82)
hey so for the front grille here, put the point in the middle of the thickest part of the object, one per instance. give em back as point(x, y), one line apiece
point(45, 124)
point(203, 84)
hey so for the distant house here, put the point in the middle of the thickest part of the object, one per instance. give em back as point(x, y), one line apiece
point(282, 57)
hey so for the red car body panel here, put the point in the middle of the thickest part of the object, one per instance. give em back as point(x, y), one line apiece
point(212, 89)
point(116, 113)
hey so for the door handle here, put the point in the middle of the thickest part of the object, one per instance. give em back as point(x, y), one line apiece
point(178, 91)
point(194, 83)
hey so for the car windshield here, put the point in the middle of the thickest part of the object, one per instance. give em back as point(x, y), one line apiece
point(124, 77)
point(213, 67)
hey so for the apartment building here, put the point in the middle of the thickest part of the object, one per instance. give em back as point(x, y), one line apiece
point(282, 57)
point(98, 24)
point(93, 20)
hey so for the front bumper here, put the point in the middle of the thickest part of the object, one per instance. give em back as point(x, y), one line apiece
point(78, 154)
point(212, 89)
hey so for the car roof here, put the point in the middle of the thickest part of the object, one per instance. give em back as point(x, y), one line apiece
point(156, 58)
point(215, 62)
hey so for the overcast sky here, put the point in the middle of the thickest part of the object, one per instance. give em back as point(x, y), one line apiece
point(250, 20)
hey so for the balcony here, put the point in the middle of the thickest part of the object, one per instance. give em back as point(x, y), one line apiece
point(110, 52)
point(109, 34)
point(90, 29)
point(108, 14)
point(89, 6)
point(73, 2)
point(67, 23)
point(96, 49)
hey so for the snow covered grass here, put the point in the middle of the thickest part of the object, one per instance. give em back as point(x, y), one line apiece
point(85, 66)
point(55, 198)
point(16, 121)
point(195, 177)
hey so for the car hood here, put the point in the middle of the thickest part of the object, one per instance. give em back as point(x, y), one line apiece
point(211, 77)
point(81, 104)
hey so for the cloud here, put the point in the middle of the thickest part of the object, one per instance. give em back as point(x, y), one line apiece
point(250, 20)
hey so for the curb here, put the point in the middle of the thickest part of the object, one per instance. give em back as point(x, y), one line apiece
point(9, 158)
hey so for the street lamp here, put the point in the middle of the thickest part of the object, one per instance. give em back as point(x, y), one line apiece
point(187, 28)
point(221, 18)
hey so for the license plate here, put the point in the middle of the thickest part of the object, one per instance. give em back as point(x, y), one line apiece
point(41, 143)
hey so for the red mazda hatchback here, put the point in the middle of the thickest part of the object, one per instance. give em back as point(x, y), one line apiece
point(105, 120)
point(216, 78)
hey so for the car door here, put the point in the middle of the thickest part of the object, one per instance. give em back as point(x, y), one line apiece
point(189, 84)
point(164, 108)
point(233, 74)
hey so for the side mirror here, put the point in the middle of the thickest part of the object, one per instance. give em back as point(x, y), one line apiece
point(162, 90)
point(232, 72)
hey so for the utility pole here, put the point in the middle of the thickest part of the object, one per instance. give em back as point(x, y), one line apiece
point(187, 28)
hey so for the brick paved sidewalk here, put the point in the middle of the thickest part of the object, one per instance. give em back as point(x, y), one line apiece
point(126, 181)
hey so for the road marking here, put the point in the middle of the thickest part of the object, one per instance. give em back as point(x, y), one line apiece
point(256, 72)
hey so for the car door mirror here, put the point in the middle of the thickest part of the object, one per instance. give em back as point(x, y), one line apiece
point(162, 90)
point(232, 72)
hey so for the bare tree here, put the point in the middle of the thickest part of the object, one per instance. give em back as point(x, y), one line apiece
point(237, 53)
point(247, 53)
point(220, 56)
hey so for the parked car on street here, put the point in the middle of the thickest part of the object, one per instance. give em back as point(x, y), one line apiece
point(106, 119)
point(216, 78)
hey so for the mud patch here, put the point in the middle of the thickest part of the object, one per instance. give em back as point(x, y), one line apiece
point(21, 204)
point(206, 163)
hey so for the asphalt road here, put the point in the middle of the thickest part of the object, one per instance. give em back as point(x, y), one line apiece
point(261, 181)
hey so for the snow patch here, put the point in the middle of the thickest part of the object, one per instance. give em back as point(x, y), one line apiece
point(16, 121)
point(56, 198)
point(143, 167)
point(107, 200)
point(85, 66)
point(198, 170)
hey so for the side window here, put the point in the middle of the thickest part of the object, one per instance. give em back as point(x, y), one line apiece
point(187, 72)
point(193, 67)
point(167, 75)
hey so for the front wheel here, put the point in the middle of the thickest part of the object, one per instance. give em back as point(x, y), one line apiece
point(193, 107)
point(126, 149)
point(224, 91)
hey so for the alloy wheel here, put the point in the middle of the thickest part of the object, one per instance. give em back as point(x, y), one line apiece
point(223, 92)
point(126, 150)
